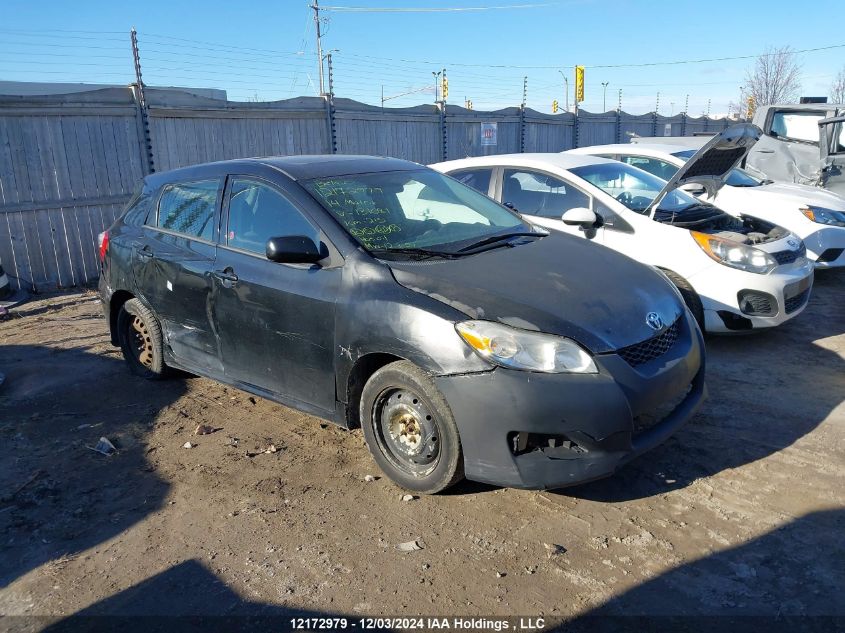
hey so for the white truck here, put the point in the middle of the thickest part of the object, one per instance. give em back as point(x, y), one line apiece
point(801, 143)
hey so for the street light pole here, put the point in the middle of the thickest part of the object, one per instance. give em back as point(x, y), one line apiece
point(436, 80)
point(566, 83)
point(604, 96)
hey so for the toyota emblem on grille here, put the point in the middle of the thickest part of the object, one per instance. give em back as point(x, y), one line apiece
point(792, 243)
point(654, 321)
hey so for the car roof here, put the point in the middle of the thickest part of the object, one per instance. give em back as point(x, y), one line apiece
point(632, 148)
point(301, 167)
point(537, 160)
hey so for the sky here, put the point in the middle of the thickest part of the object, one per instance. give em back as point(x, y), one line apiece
point(266, 50)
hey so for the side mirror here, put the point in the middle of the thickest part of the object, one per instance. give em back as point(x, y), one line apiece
point(693, 188)
point(293, 249)
point(510, 206)
point(581, 216)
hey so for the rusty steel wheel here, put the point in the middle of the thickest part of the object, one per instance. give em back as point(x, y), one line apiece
point(410, 430)
point(142, 343)
point(140, 339)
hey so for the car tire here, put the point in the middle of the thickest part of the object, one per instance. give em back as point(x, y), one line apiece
point(690, 296)
point(139, 334)
point(410, 430)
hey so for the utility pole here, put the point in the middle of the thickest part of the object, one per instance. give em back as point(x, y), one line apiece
point(604, 96)
point(524, 91)
point(316, 8)
point(657, 105)
point(619, 106)
point(708, 108)
point(566, 87)
point(686, 105)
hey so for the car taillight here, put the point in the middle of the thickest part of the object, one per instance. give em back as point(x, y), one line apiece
point(103, 242)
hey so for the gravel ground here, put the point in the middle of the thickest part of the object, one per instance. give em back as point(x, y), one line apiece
point(741, 513)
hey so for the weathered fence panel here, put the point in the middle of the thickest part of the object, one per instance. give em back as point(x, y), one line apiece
point(463, 132)
point(68, 163)
point(409, 133)
point(187, 129)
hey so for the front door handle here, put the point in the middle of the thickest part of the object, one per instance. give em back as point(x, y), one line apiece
point(227, 276)
point(765, 151)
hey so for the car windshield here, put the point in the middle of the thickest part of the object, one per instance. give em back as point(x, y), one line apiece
point(736, 178)
point(413, 210)
point(633, 187)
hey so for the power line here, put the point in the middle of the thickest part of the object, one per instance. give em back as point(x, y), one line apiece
point(595, 66)
point(436, 9)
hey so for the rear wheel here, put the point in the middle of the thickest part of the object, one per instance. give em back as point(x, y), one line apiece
point(410, 430)
point(690, 296)
point(139, 334)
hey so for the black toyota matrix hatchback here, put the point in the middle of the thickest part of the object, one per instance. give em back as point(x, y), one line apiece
point(378, 293)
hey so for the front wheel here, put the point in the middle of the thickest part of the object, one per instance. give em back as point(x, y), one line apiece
point(409, 429)
point(690, 296)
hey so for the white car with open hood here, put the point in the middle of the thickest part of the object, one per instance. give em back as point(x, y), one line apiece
point(814, 214)
point(734, 274)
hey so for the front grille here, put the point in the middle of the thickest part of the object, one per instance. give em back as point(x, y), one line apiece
point(756, 303)
point(794, 303)
point(645, 351)
point(787, 257)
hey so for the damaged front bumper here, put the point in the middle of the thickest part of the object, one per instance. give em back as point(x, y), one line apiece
point(543, 431)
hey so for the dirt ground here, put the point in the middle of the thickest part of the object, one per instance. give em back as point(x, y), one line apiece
point(741, 513)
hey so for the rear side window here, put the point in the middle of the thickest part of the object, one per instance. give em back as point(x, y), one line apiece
point(535, 193)
point(797, 126)
point(258, 212)
point(188, 208)
point(139, 207)
point(478, 179)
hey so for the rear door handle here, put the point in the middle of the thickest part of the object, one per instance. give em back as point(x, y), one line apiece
point(144, 251)
point(227, 275)
point(765, 151)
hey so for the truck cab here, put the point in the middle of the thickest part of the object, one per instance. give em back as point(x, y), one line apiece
point(803, 143)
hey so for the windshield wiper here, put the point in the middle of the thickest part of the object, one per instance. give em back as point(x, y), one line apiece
point(500, 238)
point(417, 253)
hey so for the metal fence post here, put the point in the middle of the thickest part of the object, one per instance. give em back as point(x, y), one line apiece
point(141, 102)
point(618, 126)
point(332, 127)
point(444, 140)
point(683, 124)
point(522, 129)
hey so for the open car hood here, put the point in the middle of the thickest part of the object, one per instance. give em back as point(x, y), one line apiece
point(711, 165)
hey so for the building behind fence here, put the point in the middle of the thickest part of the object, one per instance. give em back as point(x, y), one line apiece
point(68, 163)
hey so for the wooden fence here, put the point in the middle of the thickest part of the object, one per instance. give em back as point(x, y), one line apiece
point(68, 163)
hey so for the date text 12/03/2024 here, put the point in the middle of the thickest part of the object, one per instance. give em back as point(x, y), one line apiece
point(420, 623)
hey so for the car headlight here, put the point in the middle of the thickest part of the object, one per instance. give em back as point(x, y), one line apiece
point(824, 216)
point(530, 351)
point(735, 255)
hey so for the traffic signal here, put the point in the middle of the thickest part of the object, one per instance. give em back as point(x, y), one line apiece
point(750, 112)
point(554, 106)
point(469, 104)
point(444, 88)
point(579, 83)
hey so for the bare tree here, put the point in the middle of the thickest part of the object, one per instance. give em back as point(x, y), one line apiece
point(837, 88)
point(775, 77)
